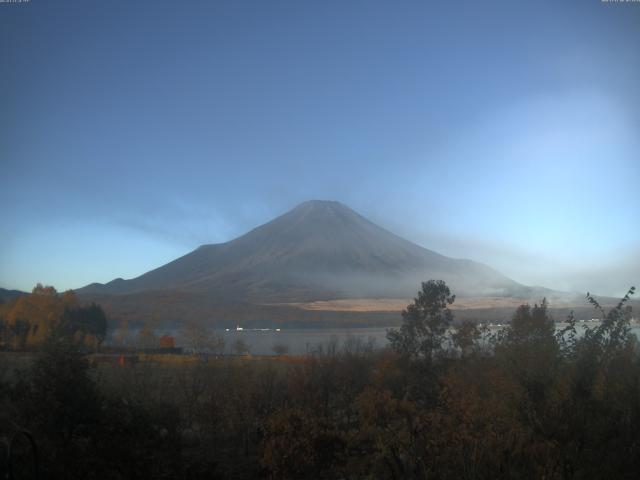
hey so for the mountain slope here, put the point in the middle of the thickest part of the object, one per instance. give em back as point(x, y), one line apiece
point(10, 294)
point(319, 250)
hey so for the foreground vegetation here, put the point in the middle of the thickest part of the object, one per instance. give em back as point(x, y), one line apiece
point(527, 402)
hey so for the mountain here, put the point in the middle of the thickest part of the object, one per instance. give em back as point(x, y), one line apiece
point(319, 250)
point(10, 294)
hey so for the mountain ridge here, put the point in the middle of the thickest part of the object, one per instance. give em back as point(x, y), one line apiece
point(7, 294)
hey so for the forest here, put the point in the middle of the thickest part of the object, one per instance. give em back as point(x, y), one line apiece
point(28, 321)
point(445, 400)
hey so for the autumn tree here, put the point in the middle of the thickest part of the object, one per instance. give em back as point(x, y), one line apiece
point(30, 319)
point(424, 322)
point(48, 290)
point(86, 325)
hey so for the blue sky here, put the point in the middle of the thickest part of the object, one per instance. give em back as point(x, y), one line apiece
point(506, 132)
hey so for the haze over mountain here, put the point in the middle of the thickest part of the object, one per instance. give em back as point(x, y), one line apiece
point(319, 250)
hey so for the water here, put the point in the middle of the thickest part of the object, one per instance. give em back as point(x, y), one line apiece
point(266, 341)
point(302, 341)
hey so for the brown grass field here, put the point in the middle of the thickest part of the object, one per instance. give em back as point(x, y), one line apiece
point(398, 304)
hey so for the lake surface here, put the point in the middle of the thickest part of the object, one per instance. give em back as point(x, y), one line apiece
point(294, 341)
point(303, 341)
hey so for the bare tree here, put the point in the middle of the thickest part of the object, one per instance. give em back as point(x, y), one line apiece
point(195, 337)
point(280, 348)
point(121, 335)
point(147, 337)
point(201, 340)
point(240, 347)
point(217, 344)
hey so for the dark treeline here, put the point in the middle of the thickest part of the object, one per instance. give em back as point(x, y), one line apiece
point(462, 403)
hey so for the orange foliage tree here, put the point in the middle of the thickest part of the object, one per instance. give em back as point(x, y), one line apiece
point(27, 321)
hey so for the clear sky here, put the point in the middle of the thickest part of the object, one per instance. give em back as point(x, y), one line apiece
point(506, 132)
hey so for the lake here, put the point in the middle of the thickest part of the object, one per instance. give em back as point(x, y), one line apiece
point(302, 341)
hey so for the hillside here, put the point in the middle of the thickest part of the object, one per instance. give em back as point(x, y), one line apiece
point(9, 294)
